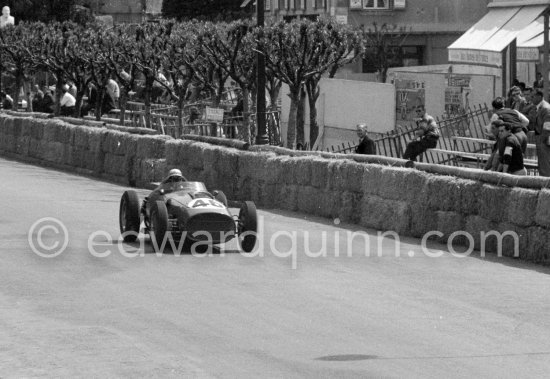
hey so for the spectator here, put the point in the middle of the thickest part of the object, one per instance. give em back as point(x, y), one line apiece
point(67, 102)
point(37, 98)
point(539, 82)
point(48, 102)
point(527, 108)
point(7, 101)
point(72, 88)
point(513, 117)
point(509, 150)
point(366, 144)
point(113, 89)
point(426, 134)
point(107, 104)
point(542, 132)
point(492, 133)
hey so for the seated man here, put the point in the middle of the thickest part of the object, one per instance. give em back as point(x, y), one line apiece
point(67, 102)
point(427, 135)
point(510, 153)
point(7, 101)
point(366, 144)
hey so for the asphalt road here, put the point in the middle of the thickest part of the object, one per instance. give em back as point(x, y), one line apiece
point(375, 310)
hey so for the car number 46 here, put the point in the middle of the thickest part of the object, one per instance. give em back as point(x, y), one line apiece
point(205, 203)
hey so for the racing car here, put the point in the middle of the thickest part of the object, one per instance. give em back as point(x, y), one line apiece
point(183, 209)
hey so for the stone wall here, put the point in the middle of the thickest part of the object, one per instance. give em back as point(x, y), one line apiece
point(374, 192)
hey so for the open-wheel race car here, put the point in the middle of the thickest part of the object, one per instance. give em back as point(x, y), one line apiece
point(181, 209)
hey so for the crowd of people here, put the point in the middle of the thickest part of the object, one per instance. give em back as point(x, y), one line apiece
point(524, 112)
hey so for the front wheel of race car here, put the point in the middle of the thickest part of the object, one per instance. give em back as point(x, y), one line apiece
point(159, 224)
point(128, 216)
point(247, 226)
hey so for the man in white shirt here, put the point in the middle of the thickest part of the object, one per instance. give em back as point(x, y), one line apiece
point(67, 102)
point(113, 89)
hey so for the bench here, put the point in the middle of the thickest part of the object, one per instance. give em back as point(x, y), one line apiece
point(479, 158)
point(530, 152)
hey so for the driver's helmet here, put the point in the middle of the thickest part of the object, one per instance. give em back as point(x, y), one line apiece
point(175, 172)
point(174, 175)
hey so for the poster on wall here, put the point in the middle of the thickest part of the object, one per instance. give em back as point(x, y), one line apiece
point(410, 94)
point(457, 100)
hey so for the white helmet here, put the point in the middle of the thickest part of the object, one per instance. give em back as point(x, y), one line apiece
point(175, 172)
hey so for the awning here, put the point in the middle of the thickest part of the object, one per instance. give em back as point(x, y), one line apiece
point(484, 42)
point(530, 40)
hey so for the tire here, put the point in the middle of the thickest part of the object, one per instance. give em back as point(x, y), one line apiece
point(220, 196)
point(159, 224)
point(248, 223)
point(129, 218)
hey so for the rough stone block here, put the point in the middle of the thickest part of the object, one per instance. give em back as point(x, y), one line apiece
point(542, 216)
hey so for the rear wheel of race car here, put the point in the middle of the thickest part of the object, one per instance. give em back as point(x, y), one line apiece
point(248, 226)
point(128, 216)
point(220, 196)
point(159, 224)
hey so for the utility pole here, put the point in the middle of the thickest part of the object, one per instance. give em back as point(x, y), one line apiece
point(545, 57)
point(261, 136)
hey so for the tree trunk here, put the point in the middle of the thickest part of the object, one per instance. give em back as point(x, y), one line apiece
point(123, 101)
point(18, 83)
point(313, 92)
point(148, 90)
point(78, 104)
point(301, 120)
point(27, 87)
point(246, 133)
point(58, 94)
point(274, 95)
point(99, 103)
point(291, 129)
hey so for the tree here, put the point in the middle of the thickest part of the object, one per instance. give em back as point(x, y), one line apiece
point(384, 43)
point(340, 45)
point(213, 10)
point(150, 41)
point(298, 51)
point(227, 46)
point(180, 62)
point(18, 51)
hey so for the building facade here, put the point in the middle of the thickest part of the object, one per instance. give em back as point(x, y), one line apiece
point(431, 25)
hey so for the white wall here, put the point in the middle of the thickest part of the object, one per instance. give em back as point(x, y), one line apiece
point(342, 105)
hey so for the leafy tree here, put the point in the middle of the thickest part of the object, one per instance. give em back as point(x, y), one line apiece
point(298, 51)
point(65, 53)
point(227, 46)
point(150, 41)
point(339, 44)
point(180, 61)
point(213, 10)
point(384, 43)
point(18, 51)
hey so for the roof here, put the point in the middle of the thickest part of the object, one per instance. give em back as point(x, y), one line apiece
point(483, 43)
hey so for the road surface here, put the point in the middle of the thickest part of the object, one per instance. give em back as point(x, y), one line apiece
point(363, 309)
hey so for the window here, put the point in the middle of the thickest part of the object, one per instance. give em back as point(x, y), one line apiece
point(319, 4)
point(267, 5)
point(300, 4)
point(397, 57)
point(376, 4)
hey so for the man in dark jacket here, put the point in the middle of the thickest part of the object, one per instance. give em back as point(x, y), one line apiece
point(542, 132)
point(366, 144)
